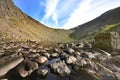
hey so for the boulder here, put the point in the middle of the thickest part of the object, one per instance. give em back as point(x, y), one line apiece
point(108, 41)
point(26, 68)
point(10, 65)
point(60, 68)
point(54, 55)
point(41, 59)
point(46, 55)
point(70, 60)
point(70, 51)
point(42, 72)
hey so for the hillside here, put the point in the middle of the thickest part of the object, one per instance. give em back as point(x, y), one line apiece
point(17, 26)
point(105, 21)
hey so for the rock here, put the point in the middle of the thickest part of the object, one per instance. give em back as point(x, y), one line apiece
point(105, 73)
point(41, 59)
point(54, 55)
point(71, 45)
point(70, 60)
point(80, 45)
point(10, 65)
point(60, 68)
point(117, 75)
point(79, 64)
point(42, 72)
point(26, 68)
point(56, 50)
point(77, 53)
point(26, 48)
point(70, 51)
point(108, 41)
point(46, 55)
point(32, 55)
point(32, 50)
point(63, 55)
point(88, 55)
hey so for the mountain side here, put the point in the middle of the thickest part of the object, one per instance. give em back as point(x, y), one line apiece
point(105, 21)
point(17, 26)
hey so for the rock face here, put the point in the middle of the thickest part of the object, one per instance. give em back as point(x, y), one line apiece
point(60, 68)
point(108, 41)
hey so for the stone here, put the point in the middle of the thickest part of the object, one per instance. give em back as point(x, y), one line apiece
point(63, 55)
point(32, 55)
point(10, 65)
point(70, 60)
point(42, 72)
point(80, 63)
point(60, 68)
point(41, 59)
point(54, 55)
point(25, 68)
point(46, 55)
point(70, 51)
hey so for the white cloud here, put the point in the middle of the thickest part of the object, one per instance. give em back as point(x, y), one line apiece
point(88, 10)
point(76, 16)
point(80, 11)
point(50, 8)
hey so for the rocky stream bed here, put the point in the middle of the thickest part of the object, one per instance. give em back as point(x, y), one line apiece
point(65, 61)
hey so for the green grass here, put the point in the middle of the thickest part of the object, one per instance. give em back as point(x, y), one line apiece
point(109, 27)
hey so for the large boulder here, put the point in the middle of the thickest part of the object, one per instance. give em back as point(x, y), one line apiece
point(108, 41)
point(10, 65)
point(26, 68)
point(60, 68)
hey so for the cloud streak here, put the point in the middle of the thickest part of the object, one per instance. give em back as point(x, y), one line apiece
point(50, 8)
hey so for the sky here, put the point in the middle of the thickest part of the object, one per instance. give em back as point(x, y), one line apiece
point(65, 14)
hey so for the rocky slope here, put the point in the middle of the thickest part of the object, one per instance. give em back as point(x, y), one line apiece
point(106, 20)
point(17, 26)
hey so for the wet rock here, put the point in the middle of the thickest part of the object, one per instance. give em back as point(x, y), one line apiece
point(60, 68)
point(54, 55)
point(70, 60)
point(42, 72)
point(46, 55)
point(41, 59)
point(26, 68)
point(63, 55)
point(10, 65)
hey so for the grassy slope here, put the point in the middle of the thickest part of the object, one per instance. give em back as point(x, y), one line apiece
point(88, 29)
point(17, 26)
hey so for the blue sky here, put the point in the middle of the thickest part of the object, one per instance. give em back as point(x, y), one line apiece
point(65, 14)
